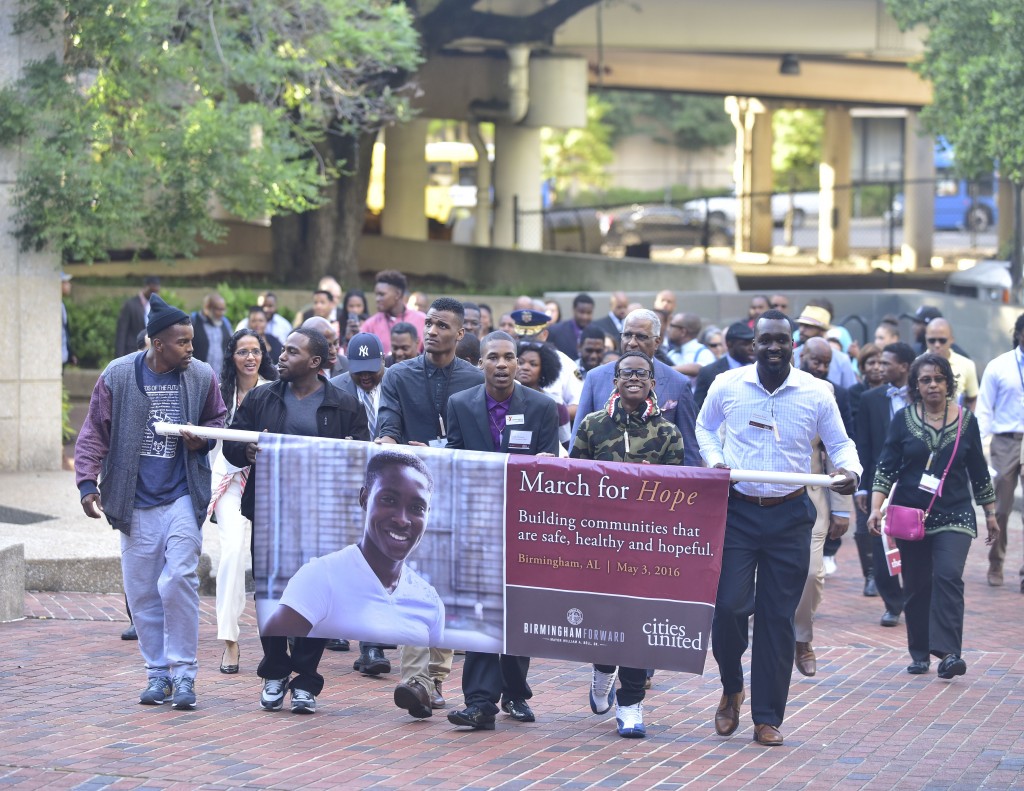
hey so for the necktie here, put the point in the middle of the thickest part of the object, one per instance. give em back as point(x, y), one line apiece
point(371, 413)
point(893, 392)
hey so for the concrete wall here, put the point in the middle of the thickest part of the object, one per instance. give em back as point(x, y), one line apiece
point(30, 325)
point(644, 163)
point(486, 269)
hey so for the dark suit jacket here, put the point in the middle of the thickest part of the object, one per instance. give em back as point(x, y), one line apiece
point(706, 377)
point(843, 402)
point(608, 327)
point(200, 343)
point(469, 424)
point(563, 337)
point(130, 322)
point(870, 429)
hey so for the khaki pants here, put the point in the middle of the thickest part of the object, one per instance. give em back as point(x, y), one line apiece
point(814, 587)
point(1005, 456)
point(425, 665)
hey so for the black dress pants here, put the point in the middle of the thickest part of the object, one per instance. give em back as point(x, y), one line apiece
point(487, 678)
point(933, 576)
point(302, 661)
point(631, 683)
point(765, 559)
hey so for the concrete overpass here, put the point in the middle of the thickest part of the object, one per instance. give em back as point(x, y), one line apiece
point(847, 53)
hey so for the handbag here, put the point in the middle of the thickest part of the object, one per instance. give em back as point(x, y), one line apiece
point(906, 523)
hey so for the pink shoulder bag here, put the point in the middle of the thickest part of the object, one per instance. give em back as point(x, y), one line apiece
point(907, 523)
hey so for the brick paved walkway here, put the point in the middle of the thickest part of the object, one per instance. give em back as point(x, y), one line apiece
point(70, 717)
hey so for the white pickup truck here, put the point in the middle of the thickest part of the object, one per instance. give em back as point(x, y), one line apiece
point(722, 209)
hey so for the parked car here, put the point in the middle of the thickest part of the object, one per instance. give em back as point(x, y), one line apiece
point(987, 280)
point(722, 209)
point(635, 229)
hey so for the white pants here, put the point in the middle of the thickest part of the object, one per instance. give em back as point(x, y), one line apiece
point(233, 529)
point(158, 561)
point(814, 587)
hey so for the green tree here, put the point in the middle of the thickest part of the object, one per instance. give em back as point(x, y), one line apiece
point(576, 158)
point(975, 62)
point(158, 110)
point(689, 122)
point(796, 149)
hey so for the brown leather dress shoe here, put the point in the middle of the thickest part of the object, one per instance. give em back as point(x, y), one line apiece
point(411, 696)
point(995, 577)
point(437, 700)
point(767, 735)
point(727, 718)
point(806, 662)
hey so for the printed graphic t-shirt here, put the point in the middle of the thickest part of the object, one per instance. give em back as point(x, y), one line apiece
point(162, 476)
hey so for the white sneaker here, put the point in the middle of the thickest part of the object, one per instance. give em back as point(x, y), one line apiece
point(303, 702)
point(829, 562)
point(272, 698)
point(630, 721)
point(602, 691)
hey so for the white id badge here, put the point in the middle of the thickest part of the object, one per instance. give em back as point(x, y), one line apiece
point(763, 421)
point(515, 420)
point(440, 442)
point(520, 440)
point(929, 483)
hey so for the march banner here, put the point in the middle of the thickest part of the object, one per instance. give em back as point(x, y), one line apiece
point(532, 556)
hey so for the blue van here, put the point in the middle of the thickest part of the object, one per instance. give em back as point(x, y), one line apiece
point(959, 204)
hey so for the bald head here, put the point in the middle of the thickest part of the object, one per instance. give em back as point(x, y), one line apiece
point(325, 328)
point(938, 336)
point(816, 357)
point(619, 304)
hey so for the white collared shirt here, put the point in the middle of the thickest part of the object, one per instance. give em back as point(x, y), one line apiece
point(803, 407)
point(1000, 408)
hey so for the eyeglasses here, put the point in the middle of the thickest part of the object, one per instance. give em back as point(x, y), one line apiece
point(638, 336)
point(940, 341)
point(715, 345)
point(634, 373)
point(927, 380)
point(677, 326)
point(243, 353)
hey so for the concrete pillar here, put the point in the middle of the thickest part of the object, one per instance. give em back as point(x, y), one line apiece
point(835, 171)
point(30, 326)
point(1004, 223)
point(919, 194)
point(517, 177)
point(752, 172)
point(405, 181)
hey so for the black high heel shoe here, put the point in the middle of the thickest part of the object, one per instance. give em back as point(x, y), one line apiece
point(227, 669)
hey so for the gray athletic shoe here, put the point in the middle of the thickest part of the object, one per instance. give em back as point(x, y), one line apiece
point(184, 693)
point(157, 692)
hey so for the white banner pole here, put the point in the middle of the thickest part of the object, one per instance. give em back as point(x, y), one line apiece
point(751, 476)
point(206, 432)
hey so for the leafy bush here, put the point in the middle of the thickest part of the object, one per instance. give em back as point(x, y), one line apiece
point(238, 301)
point(93, 328)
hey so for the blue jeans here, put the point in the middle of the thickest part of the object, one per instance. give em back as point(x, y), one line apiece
point(158, 561)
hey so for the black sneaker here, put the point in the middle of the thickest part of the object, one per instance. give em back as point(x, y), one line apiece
point(272, 698)
point(184, 693)
point(157, 692)
point(303, 702)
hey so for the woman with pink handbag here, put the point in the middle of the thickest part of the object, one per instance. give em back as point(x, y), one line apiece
point(931, 462)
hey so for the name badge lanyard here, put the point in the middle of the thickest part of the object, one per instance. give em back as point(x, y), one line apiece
point(428, 388)
point(1017, 358)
